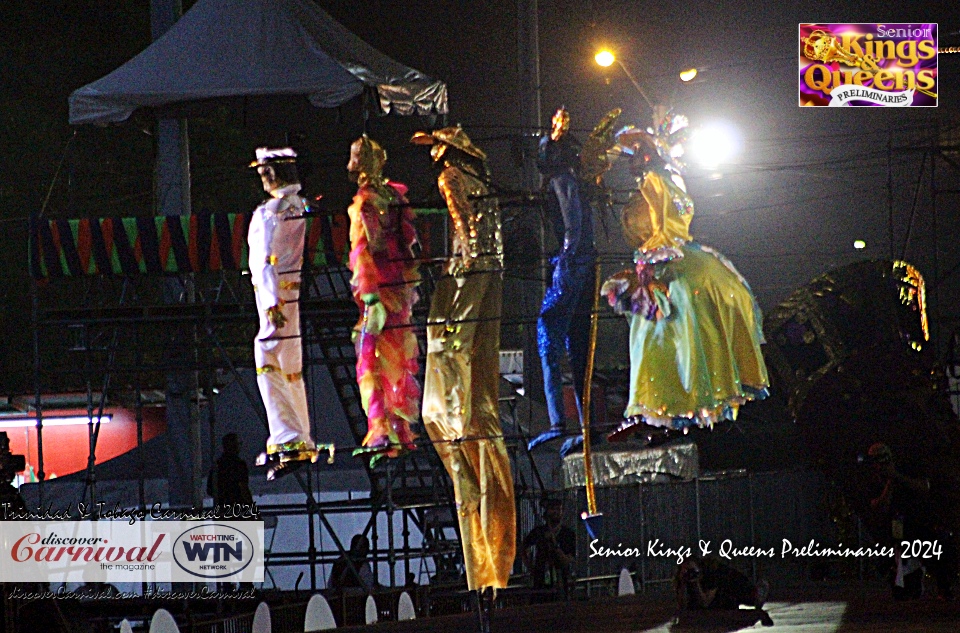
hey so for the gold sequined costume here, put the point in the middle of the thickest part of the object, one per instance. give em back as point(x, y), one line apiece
point(460, 409)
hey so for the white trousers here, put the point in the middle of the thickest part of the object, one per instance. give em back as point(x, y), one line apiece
point(278, 354)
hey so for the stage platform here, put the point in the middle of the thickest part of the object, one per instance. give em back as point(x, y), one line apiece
point(839, 605)
point(830, 608)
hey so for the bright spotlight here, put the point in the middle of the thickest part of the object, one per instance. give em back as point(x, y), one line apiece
point(605, 58)
point(713, 145)
point(688, 75)
point(859, 244)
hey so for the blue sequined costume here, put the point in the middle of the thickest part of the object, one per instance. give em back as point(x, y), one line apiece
point(564, 324)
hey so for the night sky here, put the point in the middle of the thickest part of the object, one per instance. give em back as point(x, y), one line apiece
point(805, 184)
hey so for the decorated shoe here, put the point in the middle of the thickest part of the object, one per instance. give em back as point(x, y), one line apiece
point(626, 430)
point(378, 446)
point(571, 444)
point(550, 434)
point(282, 459)
point(405, 436)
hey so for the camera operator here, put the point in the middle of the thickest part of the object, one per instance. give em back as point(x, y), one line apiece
point(555, 547)
point(706, 583)
point(901, 510)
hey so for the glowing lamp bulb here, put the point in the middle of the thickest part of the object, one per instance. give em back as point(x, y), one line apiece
point(859, 244)
point(605, 58)
point(714, 145)
point(688, 75)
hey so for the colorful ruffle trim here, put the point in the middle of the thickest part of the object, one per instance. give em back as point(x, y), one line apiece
point(707, 416)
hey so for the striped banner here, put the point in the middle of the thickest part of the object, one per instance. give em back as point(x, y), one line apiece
point(157, 245)
point(165, 244)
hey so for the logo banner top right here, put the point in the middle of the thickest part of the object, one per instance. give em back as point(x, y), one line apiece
point(868, 65)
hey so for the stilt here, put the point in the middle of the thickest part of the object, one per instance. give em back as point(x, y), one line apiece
point(484, 608)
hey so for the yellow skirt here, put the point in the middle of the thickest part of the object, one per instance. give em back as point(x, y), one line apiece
point(700, 363)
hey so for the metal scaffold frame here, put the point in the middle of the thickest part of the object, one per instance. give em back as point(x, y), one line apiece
point(118, 339)
point(118, 344)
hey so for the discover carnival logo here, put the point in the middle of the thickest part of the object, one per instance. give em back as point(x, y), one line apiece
point(120, 551)
point(868, 65)
point(213, 551)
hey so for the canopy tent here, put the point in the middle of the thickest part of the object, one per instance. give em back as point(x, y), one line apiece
point(248, 48)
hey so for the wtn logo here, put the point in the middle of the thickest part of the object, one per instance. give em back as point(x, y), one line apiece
point(221, 551)
point(214, 551)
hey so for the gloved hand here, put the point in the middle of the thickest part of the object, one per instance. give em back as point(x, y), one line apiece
point(374, 315)
point(652, 299)
point(275, 315)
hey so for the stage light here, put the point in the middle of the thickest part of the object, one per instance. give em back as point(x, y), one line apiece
point(52, 421)
point(713, 145)
point(605, 58)
point(859, 244)
point(688, 75)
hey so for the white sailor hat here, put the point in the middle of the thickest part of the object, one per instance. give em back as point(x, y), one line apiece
point(267, 156)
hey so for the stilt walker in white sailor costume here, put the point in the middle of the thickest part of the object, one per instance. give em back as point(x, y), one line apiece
point(276, 240)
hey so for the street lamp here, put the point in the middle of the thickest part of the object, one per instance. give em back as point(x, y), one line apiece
point(709, 146)
point(606, 58)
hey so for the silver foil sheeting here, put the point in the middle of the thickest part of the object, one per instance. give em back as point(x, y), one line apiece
point(634, 466)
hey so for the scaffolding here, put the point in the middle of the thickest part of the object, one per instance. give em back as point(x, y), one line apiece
point(118, 339)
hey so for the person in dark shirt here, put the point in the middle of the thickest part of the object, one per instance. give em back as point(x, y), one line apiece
point(706, 583)
point(11, 503)
point(229, 486)
point(229, 480)
point(554, 548)
point(360, 576)
point(902, 509)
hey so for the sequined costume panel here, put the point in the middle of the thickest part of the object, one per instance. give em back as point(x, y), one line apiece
point(276, 254)
point(475, 218)
point(460, 402)
point(382, 236)
point(657, 217)
point(564, 324)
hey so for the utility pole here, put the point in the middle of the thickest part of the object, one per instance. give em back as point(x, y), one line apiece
point(172, 198)
point(528, 57)
point(528, 48)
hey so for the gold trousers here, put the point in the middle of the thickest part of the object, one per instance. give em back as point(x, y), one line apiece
point(461, 415)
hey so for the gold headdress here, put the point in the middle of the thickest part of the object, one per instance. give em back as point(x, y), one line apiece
point(453, 137)
point(593, 157)
point(560, 123)
point(367, 159)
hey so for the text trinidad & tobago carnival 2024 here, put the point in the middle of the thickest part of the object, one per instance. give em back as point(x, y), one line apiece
point(102, 512)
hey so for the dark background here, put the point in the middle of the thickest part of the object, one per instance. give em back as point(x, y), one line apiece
point(805, 184)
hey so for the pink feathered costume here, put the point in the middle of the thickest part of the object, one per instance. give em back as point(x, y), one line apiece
point(382, 236)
